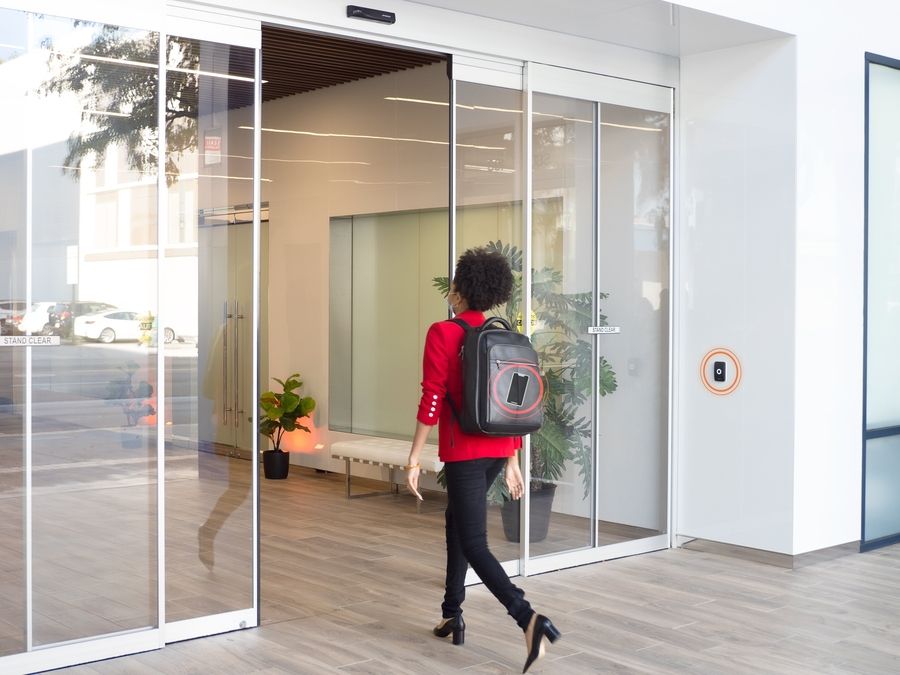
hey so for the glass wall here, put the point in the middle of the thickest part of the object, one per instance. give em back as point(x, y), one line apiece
point(385, 356)
point(881, 470)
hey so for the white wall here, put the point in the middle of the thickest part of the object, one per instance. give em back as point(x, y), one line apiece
point(736, 291)
point(832, 39)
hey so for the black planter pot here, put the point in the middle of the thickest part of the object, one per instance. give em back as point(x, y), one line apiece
point(539, 524)
point(276, 464)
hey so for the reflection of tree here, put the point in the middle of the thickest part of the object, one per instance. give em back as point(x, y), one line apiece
point(116, 79)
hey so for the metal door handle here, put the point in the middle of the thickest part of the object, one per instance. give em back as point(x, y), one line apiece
point(237, 370)
point(225, 408)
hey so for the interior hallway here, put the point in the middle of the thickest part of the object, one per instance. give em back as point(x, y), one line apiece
point(338, 603)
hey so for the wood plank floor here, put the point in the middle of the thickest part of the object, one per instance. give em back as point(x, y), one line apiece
point(355, 586)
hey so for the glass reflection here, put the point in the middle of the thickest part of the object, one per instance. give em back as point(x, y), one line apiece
point(207, 297)
point(93, 283)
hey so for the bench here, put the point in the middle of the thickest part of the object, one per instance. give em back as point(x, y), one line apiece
point(386, 452)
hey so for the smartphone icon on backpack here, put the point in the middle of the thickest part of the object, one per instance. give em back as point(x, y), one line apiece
point(517, 386)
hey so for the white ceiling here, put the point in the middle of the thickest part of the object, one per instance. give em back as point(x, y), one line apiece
point(652, 25)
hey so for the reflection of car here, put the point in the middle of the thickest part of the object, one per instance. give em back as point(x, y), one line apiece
point(35, 318)
point(62, 314)
point(11, 312)
point(109, 326)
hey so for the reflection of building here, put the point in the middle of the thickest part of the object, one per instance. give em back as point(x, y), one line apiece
point(667, 163)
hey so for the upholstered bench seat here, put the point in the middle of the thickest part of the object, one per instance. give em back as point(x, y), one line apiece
point(386, 452)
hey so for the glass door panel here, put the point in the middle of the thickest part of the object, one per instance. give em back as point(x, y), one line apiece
point(209, 323)
point(562, 236)
point(600, 251)
point(490, 190)
point(93, 285)
point(633, 274)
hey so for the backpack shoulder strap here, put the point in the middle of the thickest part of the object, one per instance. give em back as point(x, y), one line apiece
point(466, 328)
point(459, 322)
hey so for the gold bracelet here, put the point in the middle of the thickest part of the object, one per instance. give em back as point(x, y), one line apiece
point(410, 466)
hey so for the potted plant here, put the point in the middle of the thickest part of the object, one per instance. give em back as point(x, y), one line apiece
point(560, 320)
point(136, 401)
point(281, 412)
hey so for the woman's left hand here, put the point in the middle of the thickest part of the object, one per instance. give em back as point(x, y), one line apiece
point(513, 478)
point(412, 481)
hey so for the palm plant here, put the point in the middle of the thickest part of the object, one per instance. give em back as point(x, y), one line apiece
point(560, 320)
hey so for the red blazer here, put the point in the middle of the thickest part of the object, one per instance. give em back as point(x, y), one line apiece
point(442, 373)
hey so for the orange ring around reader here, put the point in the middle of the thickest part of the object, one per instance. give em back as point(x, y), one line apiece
point(737, 371)
point(534, 405)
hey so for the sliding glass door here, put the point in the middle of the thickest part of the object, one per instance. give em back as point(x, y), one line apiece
point(211, 486)
point(570, 177)
point(489, 187)
point(111, 511)
point(599, 254)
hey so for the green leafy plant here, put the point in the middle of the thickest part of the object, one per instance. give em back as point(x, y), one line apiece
point(281, 411)
point(135, 398)
point(560, 320)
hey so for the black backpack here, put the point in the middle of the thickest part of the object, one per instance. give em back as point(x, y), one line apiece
point(503, 389)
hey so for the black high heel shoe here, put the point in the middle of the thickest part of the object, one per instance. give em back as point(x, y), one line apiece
point(543, 628)
point(454, 625)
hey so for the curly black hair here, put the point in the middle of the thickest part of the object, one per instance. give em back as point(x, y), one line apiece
point(483, 278)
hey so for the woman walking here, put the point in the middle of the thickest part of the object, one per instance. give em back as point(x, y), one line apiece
point(482, 280)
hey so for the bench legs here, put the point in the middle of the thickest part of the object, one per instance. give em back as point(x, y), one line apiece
point(395, 487)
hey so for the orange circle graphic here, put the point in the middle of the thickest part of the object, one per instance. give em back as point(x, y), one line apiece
point(534, 405)
point(737, 371)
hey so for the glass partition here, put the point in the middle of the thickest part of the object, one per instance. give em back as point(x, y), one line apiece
point(881, 451)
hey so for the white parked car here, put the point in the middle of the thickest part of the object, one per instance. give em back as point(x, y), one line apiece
point(35, 318)
point(109, 326)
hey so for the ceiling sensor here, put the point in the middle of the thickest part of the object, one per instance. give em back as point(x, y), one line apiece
point(379, 15)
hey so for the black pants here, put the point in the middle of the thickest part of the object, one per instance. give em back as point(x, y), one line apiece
point(467, 485)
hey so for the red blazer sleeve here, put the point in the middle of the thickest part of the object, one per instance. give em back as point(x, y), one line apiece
point(434, 376)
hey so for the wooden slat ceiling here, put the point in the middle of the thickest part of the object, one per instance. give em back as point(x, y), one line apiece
point(295, 62)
